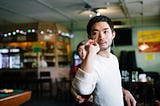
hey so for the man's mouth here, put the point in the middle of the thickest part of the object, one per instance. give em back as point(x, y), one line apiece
point(102, 43)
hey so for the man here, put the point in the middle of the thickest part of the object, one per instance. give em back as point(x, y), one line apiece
point(43, 63)
point(99, 73)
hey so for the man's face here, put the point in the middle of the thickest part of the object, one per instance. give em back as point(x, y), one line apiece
point(102, 34)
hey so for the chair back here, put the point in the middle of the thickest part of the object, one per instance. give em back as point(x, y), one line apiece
point(45, 75)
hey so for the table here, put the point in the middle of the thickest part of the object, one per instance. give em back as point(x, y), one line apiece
point(142, 91)
point(16, 98)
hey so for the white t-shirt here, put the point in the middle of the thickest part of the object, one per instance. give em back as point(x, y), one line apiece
point(104, 82)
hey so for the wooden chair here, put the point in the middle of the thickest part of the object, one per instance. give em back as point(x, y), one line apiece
point(45, 82)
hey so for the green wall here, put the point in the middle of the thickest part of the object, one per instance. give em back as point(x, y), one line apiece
point(79, 36)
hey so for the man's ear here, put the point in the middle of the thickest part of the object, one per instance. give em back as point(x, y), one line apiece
point(113, 35)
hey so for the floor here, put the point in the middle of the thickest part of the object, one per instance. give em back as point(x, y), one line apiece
point(48, 101)
point(54, 101)
point(62, 99)
point(60, 96)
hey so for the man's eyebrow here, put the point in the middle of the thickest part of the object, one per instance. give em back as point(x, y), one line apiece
point(98, 30)
point(94, 30)
point(105, 28)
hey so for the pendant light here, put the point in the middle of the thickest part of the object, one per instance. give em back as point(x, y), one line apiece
point(143, 46)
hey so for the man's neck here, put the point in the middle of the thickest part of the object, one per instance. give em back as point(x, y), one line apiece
point(104, 53)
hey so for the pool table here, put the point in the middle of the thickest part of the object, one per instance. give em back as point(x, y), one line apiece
point(15, 98)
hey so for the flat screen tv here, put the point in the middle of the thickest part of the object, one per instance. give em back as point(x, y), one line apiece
point(123, 37)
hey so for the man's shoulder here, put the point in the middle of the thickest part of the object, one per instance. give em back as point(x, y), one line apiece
point(113, 55)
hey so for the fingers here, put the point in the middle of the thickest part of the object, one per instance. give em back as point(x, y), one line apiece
point(79, 99)
point(91, 42)
point(128, 102)
point(90, 99)
point(88, 43)
point(133, 101)
point(92, 46)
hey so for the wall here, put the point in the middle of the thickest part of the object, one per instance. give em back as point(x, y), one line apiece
point(79, 36)
point(146, 65)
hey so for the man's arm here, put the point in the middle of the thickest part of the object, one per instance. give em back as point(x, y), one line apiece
point(85, 79)
point(92, 49)
point(129, 99)
point(84, 82)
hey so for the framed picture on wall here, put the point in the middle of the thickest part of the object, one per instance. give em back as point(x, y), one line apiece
point(149, 41)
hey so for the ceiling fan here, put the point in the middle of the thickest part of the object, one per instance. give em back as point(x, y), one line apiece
point(95, 9)
point(88, 7)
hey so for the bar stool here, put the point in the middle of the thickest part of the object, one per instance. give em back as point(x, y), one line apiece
point(30, 78)
point(62, 88)
point(44, 80)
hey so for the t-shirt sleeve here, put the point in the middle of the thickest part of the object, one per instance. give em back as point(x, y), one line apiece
point(84, 82)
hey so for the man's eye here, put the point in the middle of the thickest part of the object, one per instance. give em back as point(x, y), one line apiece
point(106, 32)
point(95, 33)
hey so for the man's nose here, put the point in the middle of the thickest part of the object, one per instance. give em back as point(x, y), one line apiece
point(101, 35)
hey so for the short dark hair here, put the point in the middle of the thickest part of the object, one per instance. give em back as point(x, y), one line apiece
point(96, 19)
point(80, 44)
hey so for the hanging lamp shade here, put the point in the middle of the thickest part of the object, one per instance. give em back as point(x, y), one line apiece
point(143, 46)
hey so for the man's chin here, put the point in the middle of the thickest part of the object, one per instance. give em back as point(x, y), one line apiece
point(104, 48)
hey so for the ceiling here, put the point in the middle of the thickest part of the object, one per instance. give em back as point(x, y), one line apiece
point(74, 13)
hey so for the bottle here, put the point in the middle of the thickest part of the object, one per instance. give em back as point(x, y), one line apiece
point(134, 76)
